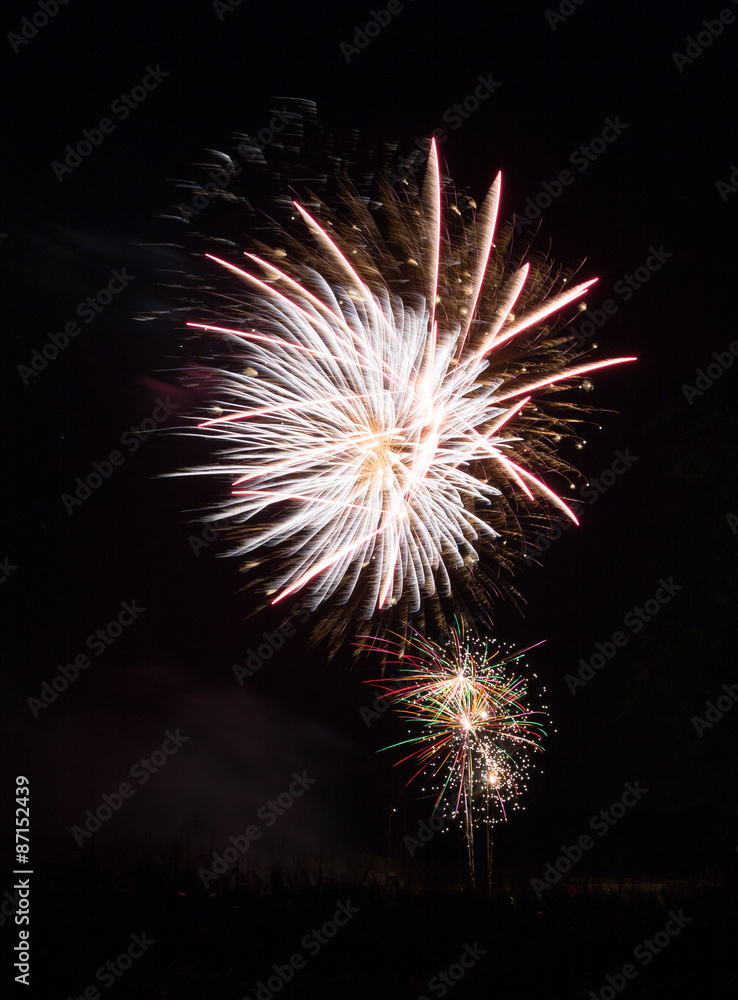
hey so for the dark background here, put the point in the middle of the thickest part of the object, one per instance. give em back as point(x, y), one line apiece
point(668, 516)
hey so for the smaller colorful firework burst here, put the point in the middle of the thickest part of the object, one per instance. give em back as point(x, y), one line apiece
point(478, 729)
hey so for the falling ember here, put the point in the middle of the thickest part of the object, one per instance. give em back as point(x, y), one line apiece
point(385, 431)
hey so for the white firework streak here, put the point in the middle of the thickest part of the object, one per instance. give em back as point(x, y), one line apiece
point(358, 439)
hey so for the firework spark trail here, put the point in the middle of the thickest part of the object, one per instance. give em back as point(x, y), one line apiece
point(376, 433)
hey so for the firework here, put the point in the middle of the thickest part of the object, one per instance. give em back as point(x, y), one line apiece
point(468, 699)
point(386, 426)
point(472, 728)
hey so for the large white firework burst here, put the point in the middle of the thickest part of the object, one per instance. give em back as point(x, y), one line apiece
point(383, 428)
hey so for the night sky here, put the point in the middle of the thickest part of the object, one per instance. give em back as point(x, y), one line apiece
point(615, 128)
